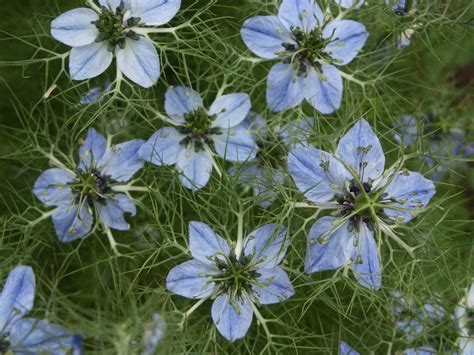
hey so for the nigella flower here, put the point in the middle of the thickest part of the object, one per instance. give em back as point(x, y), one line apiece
point(464, 314)
point(22, 335)
point(116, 28)
point(239, 279)
point(154, 333)
point(367, 199)
point(99, 185)
point(309, 50)
point(198, 133)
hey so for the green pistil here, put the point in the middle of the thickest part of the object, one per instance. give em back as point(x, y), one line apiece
point(198, 122)
point(112, 28)
point(92, 185)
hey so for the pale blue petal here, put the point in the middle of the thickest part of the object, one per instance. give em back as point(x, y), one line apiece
point(232, 320)
point(465, 344)
point(153, 334)
point(33, 336)
point(50, 188)
point(335, 250)
point(366, 261)
point(323, 90)
point(91, 96)
point(180, 100)
point(112, 210)
point(348, 37)
point(230, 110)
point(267, 244)
point(346, 349)
point(426, 350)
point(412, 191)
point(17, 296)
point(410, 327)
point(70, 224)
point(163, 147)
point(304, 14)
point(75, 27)
point(404, 39)
point(361, 149)
point(276, 287)
point(284, 87)
point(155, 12)
point(264, 36)
point(89, 61)
point(192, 279)
point(256, 125)
point(317, 174)
point(204, 243)
point(139, 62)
point(113, 4)
point(350, 3)
point(236, 144)
point(297, 132)
point(122, 161)
point(91, 150)
point(195, 168)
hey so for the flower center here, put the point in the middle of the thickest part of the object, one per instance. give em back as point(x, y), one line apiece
point(113, 27)
point(93, 186)
point(198, 129)
point(308, 50)
point(237, 275)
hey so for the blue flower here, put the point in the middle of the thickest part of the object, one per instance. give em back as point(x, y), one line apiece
point(309, 51)
point(115, 29)
point(464, 315)
point(154, 333)
point(22, 335)
point(94, 94)
point(238, 279)
point(352, 181)
point(96, 185)
point(198, 133)
point(346, 349)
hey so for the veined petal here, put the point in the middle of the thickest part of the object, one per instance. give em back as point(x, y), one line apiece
point(232, 317)
point(163, 147)
point(192, 279)
point(17, 296)
point(72, 223)
point(139, 62)
point(366, 261)
point(277, 286)
point(33, 336)
point(346, 349)
point(466, 344)
point(323, 90)
point(195, 167)
point(89, 61)
point(204, 243)
point(412, 191)
point(345, 4)
point(284, 87)
point(180, 100)
point(112, 210)
point(348, 37)
point(122, 161)
point(267, 244)
point(304, 14)
point(113, 4)
point(264, 35)
point(155, 12)
point(74, 28)
point(361, 149)
point(91, 150)
point(51, 187)
point(230, 110)
point(235, 144)
point(317, 174)
point(329, 246)
point(296, 133)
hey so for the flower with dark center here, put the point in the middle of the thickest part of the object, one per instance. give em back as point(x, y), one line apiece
point(368, 201)
point(310, 50)
point(117, 28)
point(198, 133)
point(22, 335)
point(95, 187)
point(239, 279)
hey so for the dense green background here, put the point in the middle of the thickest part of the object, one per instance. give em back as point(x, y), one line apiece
point(85, 287)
